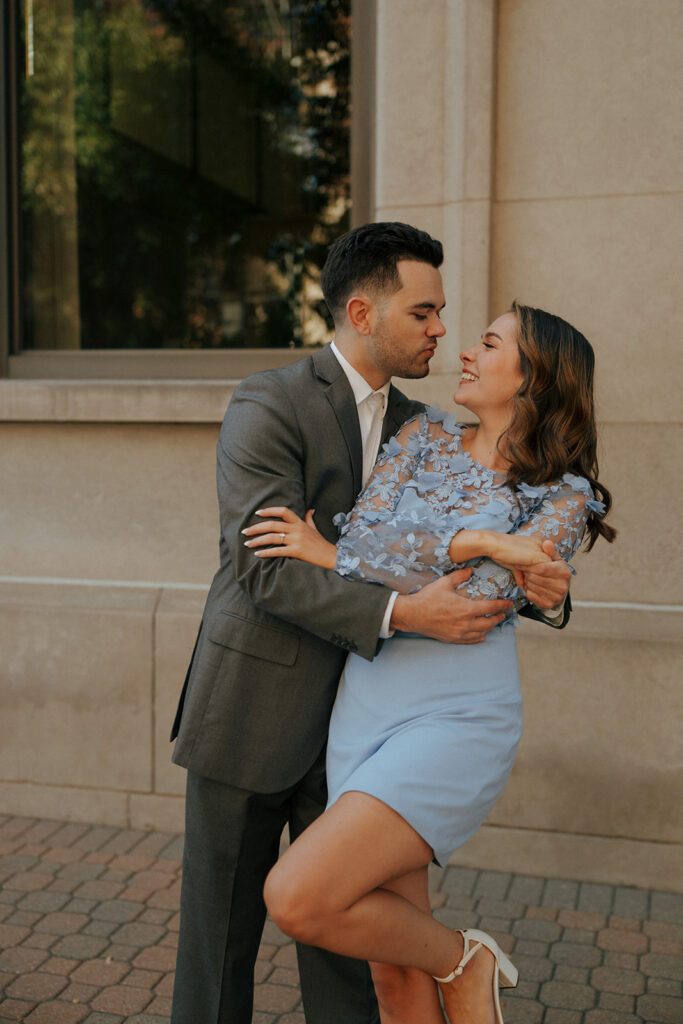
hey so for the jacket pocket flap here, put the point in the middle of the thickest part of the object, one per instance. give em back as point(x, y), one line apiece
point(254, 638)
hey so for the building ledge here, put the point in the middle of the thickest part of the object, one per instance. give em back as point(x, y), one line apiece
point(109, 401)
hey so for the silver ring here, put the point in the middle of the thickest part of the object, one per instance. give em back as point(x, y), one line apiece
point(282, 538)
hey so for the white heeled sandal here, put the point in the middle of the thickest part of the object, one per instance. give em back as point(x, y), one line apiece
point(505, 973)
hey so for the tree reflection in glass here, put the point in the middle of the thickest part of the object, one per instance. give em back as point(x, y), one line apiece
point(185, 164)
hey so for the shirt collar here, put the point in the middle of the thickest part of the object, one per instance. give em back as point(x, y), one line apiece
point(360, 387)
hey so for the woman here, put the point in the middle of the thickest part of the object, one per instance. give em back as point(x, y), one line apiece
point(422, 740)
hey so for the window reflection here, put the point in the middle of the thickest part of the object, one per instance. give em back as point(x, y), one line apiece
point(185, 164)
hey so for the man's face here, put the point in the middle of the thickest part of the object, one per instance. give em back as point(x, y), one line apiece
point(407, 325)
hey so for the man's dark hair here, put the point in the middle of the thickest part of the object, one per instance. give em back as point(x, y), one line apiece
point(367, 257)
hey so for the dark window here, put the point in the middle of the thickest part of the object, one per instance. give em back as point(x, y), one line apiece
point(184, 165)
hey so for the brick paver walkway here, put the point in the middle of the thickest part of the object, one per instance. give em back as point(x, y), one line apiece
point(89, 921)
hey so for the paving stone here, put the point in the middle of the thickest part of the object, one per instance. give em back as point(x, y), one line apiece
point(521, 1011)
point(575, 955)
point(581, 919)
point(153, 1018)
point(68, 834)
point(9, 898)
point(79, 993)
point(664, 930)
point(608, 1017)
point(275, 998)
point(23, 918)
point(27, 881)
point(137, 934)
point(174, 850)
point(537, 931)
point(495, 925)
point(43, 902)
point(36, 986)
point(533, 968)
point(78, 905)
point(492, 885)
point(524, 947)
point(560, 893)
point(625, 924)
point(596, 899)
point(120, 911)
point(103, 928)
point(103, 1018)
point(100, 972)
point(625, 961)
point(622, 942)
point(21, 959)
point(662, 1009)
point(61, 923)
point(665, 987)
point(457, 918)
point(666, 906)
point(525, 989)
point(15, 1009)
point(567, 995)
point(161, 1007)
point(96, 889)
point(11, 863)
point(577, 975)
point(284, 976)
point(541, 913)
point(659, 965)
point(526, 889)
point(80, 872)
point(122, 953)
point(553, 1015)
point(79, 947)
point(57, 1013)
point(292, 1018)
point(156, 958)
point(614, 1001)
point(40, 941)
point(630, 902)
point(611, 979)
point(122, 999)
point(96, 838)
point(59, 965)
point(139, 978)
point(460, 881)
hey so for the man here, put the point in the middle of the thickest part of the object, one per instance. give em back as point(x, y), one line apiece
point(253, 717)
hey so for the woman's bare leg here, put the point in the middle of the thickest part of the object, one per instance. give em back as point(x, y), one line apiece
point(327, 890)
point(406, 994)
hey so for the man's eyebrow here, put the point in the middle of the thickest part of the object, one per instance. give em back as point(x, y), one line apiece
point(491, 334)
point(428, 305)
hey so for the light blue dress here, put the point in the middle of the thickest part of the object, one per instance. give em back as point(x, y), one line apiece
point(432, 729)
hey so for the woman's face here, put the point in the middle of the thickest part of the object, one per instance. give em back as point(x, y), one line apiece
point(492, 372)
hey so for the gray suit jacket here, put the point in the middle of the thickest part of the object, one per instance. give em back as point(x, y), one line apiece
point(256, 703)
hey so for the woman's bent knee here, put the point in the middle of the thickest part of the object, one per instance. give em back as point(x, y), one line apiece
point(291, 906)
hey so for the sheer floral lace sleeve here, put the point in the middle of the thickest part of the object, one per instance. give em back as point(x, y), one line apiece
point(395, 534)
point(425, 488)
point(558, 513)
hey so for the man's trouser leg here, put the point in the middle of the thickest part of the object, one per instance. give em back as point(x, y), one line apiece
point(231, 841)
point(335, 989)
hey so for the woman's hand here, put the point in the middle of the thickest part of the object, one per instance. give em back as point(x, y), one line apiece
point(291, 537)
point(513, 551)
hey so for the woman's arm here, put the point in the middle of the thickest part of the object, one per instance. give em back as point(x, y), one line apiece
point(561, 519)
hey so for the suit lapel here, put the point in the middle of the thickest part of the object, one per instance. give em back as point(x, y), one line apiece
point(340, 396)
point(399, 409)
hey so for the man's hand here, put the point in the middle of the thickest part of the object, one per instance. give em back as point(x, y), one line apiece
point(439, 612)
point(546, 584)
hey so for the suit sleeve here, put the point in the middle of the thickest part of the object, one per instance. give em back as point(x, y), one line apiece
point(260, 462)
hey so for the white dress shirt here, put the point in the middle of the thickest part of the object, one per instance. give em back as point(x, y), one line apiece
point(367, 401)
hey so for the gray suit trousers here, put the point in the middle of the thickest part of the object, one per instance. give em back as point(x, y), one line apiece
point(231, 842)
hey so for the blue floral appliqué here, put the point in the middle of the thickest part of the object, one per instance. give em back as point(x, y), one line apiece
point(425, 488)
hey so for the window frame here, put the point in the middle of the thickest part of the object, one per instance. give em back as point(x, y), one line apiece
point(155, 364)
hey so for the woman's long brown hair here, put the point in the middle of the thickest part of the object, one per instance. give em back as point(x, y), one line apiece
point(553, 422)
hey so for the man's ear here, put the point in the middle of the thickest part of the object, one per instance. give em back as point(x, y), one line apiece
point(359, 310)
